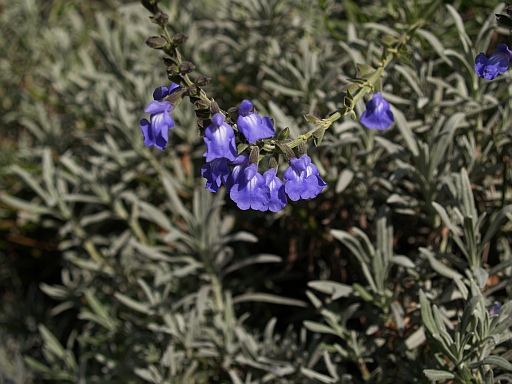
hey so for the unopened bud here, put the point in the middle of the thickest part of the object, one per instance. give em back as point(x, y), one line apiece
point(179, 39)
point(186, 67)
point(160, 18)
point(214, 108)
point(254, 157)
point(283, 134)
point(173, 72)
point(202, 104)
point(157, 42)
point(201, 81)
point(302, 148)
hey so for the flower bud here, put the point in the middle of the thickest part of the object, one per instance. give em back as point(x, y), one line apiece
point(157, 42)
point(254, 157)
point(214, 108)
point(284, 134)
point(272, 163)
point(302, 148)
point(174, 72)
point(160, 18)
point(201, 81)
point(187, 67)
point(202, 104)
point(179, 39)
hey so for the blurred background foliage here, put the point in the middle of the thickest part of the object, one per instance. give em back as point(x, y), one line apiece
point(116, 265)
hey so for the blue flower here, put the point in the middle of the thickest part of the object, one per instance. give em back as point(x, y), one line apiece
point(278, 197)
point(240, 163)
point(249, 189)
point(219, 138)
point(496, 64)
point(252, 125)
point(156, 131)
point(302, 179)
point(163, 92)
point(215, 173)
point(377, 114)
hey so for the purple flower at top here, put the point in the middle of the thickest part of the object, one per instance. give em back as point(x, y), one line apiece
point(496, 64)
point(377, 114)
point(156, 130)
point(252, 125)
point(219, 138)
point(162, 92)
point(278, 198)
point(249, 189)
point(303, 180)
point(215, 173)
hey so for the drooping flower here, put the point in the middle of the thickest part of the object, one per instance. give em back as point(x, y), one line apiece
point(253, 126)
point(162, 92)
point(249, 189)
point(494, 65)
point(219, 138)
point(377, 114)
point(278, 198)
point(156, 130)
point(215, 173)
point(303, 180)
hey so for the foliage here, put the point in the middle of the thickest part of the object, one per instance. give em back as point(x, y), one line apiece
point(116, 265)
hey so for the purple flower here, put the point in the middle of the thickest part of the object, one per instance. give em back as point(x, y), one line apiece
point(156, 131)
point(219, 138)
point(252, 125)
point(240, 163)
point(377, 114)
point(278, 197)
point(249, 189)
point(495, 65)
point(215, 173)
point(163, 92)
point(302, 179)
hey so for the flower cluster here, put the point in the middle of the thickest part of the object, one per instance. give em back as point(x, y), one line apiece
point(238, 172)
point(494, 65)
point(246, 186)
